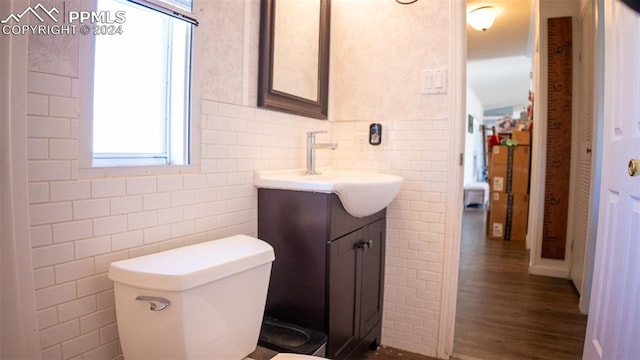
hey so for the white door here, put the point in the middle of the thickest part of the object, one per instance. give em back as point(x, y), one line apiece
point(613, 330)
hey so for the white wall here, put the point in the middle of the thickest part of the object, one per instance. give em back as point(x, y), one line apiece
point(473, 153)
point(80, 225)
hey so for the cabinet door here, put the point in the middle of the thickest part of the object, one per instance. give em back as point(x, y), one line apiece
point(342, 331)
point(372, 276)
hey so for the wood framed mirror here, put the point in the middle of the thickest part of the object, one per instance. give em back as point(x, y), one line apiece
point(293, 72)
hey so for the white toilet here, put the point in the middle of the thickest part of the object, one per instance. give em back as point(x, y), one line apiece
point(203, 301)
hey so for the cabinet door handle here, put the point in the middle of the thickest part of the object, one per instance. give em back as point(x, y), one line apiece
point(364, 245)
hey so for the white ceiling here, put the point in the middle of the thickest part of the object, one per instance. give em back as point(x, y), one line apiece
point(499, 59)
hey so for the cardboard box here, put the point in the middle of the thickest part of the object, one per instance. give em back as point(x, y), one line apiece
point(509, 169)
point(509, 216)
point(522, 137)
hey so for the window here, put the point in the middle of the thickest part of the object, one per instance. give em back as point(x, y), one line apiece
point(141, 103)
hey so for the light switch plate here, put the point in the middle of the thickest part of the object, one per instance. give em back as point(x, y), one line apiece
point(434, 81)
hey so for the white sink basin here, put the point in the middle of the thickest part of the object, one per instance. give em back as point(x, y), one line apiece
point(361, 193)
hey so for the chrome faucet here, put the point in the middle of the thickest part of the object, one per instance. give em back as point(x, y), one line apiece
point(311, 150)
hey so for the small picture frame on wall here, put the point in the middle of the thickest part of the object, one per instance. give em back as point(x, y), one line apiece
point(470, 124)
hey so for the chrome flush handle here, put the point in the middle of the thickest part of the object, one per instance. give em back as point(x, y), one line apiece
point(155, 303)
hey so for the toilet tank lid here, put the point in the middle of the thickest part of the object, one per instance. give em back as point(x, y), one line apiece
point(194, 265)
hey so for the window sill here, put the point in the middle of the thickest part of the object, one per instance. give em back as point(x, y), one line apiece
point(124, 171)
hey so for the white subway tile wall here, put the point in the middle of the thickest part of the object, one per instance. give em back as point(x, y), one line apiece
point(80, 226)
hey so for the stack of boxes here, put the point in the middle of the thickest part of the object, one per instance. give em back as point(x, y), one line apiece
point(509, 186)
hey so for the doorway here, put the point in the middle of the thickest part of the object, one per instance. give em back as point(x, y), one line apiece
point(496, 312)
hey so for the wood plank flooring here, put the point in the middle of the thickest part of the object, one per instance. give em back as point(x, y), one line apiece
point(505, 313)
point(389, 353)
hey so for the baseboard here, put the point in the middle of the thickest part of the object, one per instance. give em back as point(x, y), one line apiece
point(556, 272)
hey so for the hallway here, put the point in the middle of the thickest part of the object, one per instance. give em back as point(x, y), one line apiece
point(505, 313)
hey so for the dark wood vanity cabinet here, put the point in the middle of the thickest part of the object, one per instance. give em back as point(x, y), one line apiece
point(355, 290)
point(329, 268)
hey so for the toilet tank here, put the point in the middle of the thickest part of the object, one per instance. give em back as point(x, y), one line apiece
point(215, 291)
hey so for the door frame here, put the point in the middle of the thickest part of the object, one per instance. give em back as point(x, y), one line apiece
point(457, 111)
point(453, 220)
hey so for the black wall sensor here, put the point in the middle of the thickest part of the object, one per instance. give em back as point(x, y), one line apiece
point(375, 134)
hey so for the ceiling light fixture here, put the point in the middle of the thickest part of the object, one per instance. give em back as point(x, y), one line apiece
point(482, 18)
